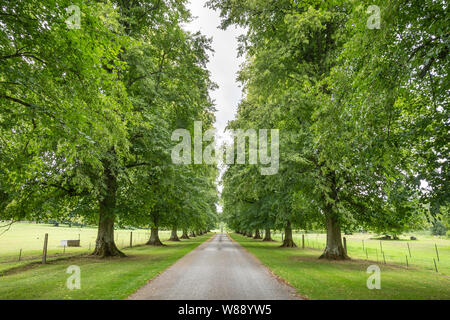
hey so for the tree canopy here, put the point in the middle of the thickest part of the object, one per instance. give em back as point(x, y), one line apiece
point(87, 114)
point(362, 114)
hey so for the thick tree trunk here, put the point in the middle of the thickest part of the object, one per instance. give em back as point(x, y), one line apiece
point(334, 249)
point(174, 236)
point(104, 245)
point(257, 235)
point(288, 242)
point(185, 234)
point(154, 234)
point(192, 234)
point(267, 236)
point(154, 238)
point(249, 234)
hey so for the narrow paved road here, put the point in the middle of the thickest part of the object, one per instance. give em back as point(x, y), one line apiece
point(219, 269)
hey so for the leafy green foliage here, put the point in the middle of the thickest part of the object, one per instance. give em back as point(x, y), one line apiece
point(87, 114)
point(362, 114)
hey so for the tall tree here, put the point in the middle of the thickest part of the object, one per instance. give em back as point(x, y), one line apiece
point(309, 69)
point(87, 113)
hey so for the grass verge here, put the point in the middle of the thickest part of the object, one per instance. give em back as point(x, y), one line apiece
point(318, 279)
point(101, 279)
point(421, 254)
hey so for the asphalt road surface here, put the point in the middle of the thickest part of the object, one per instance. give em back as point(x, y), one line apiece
point(219, 269)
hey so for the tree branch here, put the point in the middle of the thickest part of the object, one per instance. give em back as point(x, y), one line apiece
point(141, 164)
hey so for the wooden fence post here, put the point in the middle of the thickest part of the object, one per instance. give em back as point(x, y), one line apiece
point(435, 266)
point(20, 254)
point(437, 252)
point(409, 250)
point(303, 241)
point(44, 254)
point(131, 239)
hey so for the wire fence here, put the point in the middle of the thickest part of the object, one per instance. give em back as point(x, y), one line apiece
point(431, 253)
point(22, 248)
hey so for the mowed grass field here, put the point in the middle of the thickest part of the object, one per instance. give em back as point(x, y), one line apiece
point(420, 254)
point(101, 279)
point(347, 280)
point(29, 238)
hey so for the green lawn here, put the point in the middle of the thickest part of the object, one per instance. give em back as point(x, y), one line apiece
point(423, 251)
point(114, 278)
point(30, 238)
point(319, 279)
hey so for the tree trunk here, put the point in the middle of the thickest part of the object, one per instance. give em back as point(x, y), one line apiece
point(104, 245)
point(192, 234)
point(288, 241)
point(257, 235)
point(154, 235)
point(334, 249)
point(249, 234)
point(154, 238)
point(185, 234)
point(267, 236)
point(174, 236)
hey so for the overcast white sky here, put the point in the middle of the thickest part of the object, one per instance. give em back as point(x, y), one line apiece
point(224, 64)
